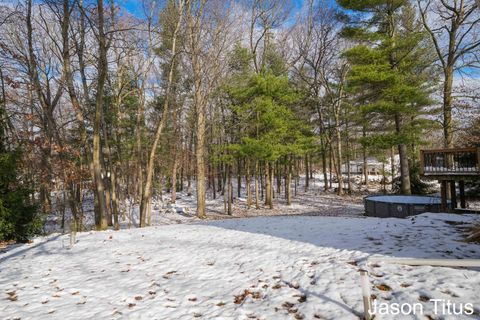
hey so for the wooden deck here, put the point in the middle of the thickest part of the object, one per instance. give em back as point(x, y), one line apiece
point(450, 164)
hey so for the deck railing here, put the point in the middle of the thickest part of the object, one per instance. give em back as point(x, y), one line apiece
point(461, 161)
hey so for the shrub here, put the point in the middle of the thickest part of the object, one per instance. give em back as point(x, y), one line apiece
point(18, 216)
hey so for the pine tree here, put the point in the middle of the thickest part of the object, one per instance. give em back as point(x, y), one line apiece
point(389, 75)
point(18, 218)
point(270, 130)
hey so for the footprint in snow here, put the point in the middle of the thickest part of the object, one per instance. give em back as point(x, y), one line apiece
point(152, 293)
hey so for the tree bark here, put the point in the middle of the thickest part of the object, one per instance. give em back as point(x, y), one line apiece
point(100, 214)
point(365, 163)
point(199, 101)
point(229, 190)
point(248, 181)
point(268, 185)
point(257, 189)
point(324, 167)
point(404, 168)
point(147, 190)
point(392, 161)
point(347, 145)
point(239, 178)
point(288, 182)
point(200, 150)
point(3, 115)
point(173, 194)
point(447, 107)
point(307, 173)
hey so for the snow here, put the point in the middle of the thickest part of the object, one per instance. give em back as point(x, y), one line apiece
point(315, 201)
point(279, 267)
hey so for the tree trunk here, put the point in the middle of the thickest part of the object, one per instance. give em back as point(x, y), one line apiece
point(365, 164)
point(257, 189)
point(307, 173)
point(108, 200)
point(330, 164)
point(173, 195)
point(447, 108)
point(347, 160)
point(297, 178)
point(147, 191)
point(268, 185)
point(248, 184)
point(392, 161)
point(139, 150)
point(288, 182)
point(219, 178)
point(200, 153)
point(239, 178)
point(404, 168)
point(262, 187)
point(214, 179)
point(324, 167)
point(339, 156)
point(100, 215)
point(115, 206)
point(189, 165)
point(271, 185)
point(384, 179)
point(229, 190)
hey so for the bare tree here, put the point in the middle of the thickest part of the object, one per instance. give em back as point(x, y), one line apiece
point(207, 29)
point(102, 69)
point(318, 67)
point(265, 16)
point(453, 29)
point(147, 191)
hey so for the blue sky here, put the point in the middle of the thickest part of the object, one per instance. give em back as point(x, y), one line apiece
point(135, 7)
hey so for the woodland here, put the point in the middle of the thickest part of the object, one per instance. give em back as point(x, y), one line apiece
point(119, 101)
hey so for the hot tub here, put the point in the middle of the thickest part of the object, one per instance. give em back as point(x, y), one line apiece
point(400, 206)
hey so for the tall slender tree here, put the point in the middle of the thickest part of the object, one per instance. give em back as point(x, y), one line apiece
point(176, 11)
point(102, 69)
point(389, 71)
point(451, 26)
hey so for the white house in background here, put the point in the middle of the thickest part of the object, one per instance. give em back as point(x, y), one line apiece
point(374, 167)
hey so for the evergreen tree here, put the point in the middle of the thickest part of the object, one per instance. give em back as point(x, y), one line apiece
point(389, 75)
point(270, 130)
point(18, 218)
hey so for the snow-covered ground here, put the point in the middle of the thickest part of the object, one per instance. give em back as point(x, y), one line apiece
point(283, 267)
point(315, 201)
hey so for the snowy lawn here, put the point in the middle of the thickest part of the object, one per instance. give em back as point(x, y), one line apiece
point(296, 267)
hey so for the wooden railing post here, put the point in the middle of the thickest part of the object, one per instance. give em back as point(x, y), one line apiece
point(367, 302)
